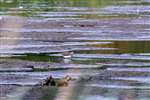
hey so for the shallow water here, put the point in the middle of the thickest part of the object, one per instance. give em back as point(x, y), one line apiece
point(114, 34)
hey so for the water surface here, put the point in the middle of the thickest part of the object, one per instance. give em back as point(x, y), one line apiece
point(114, 34)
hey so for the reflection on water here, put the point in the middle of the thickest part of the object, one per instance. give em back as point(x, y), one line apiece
point(110, 33)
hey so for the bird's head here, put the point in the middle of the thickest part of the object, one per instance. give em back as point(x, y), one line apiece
point(68, 78)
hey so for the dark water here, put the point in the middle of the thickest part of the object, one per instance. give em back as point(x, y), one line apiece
point(112, 33)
